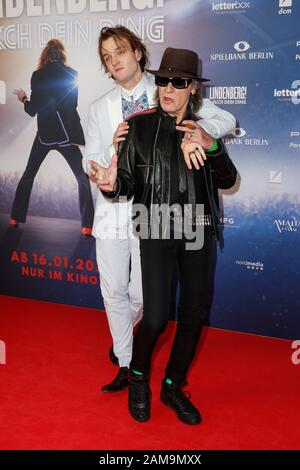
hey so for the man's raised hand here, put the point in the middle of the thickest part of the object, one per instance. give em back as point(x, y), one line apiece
point(105, 178)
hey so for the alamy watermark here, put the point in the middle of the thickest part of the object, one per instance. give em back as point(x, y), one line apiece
point(160, 221)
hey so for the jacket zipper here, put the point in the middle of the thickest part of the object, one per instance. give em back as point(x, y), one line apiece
point(153, 175)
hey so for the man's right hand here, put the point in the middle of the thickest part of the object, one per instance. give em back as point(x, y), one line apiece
point(106, 178)
point(121, 131)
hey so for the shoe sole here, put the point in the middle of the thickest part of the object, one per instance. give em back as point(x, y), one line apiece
point(115, 391)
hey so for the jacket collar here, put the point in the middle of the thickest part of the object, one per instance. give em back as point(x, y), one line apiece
point(170, 121)
point(136, 92)
point(114, 100)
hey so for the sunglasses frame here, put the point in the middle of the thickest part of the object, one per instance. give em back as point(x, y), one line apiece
point(175, 81)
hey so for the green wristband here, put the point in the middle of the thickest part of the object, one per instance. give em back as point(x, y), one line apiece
point(213, 147)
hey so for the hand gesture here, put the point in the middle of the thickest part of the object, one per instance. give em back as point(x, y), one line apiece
point(193, 154)
point(195, 140)
point(105, 178)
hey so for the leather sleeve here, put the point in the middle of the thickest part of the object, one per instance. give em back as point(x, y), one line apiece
point(224, 171)
point(126, 168)
point(126, 165)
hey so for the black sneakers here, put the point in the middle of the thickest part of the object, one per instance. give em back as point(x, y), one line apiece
point(179, 401)
point(139, 397)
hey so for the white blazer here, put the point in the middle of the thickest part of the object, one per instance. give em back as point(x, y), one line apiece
point(113, 219)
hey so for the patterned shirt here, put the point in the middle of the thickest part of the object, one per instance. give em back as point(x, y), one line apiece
point(134, 106)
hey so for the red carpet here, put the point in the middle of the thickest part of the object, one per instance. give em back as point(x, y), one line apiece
point(56, 361)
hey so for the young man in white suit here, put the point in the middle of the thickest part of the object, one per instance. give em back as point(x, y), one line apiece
point(124, 56)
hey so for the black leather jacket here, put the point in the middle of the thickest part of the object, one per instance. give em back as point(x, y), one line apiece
point(53, 98)
point(144, 165)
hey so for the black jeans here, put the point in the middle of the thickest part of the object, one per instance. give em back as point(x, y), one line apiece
point(72, 155)
point(196, 273)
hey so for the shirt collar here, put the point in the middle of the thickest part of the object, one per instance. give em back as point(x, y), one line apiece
point(136, 92)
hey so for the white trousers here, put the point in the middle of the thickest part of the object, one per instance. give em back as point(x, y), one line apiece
point(121, 287)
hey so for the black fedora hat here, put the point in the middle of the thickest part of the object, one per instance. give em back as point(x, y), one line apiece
point(181, 63)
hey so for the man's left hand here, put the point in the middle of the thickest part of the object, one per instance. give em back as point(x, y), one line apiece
point(193, 154)
point(196, 134)
point(195, 140)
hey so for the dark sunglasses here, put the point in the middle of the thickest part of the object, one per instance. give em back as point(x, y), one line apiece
point(177, 82)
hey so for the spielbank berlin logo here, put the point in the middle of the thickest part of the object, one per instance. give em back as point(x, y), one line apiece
point(239, 137)
point(241, 50)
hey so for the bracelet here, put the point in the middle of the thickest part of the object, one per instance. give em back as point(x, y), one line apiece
point(24, 99)
point(213, 147)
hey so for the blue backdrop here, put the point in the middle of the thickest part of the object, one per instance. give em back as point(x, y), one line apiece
point(251, 52)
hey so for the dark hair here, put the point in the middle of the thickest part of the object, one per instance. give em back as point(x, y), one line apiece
point(195, 100)
point(120, 33)
point(54, 51)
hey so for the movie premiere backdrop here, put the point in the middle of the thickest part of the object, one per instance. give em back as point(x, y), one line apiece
point(251, 53)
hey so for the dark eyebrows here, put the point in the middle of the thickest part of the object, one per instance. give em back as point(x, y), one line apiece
point(106, 52)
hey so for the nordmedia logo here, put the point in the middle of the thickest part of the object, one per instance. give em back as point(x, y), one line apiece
point(243, 52)
point(252, 265)
point(285, 7)
point(228, 94)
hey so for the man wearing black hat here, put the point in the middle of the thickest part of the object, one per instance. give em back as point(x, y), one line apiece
point(124, 57)
point(152, 168)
